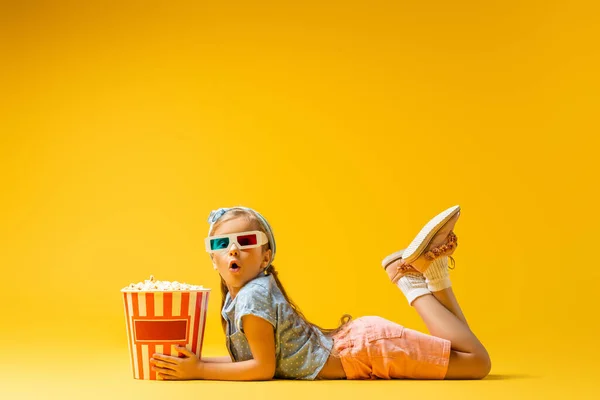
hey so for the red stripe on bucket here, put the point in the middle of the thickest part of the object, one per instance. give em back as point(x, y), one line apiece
point(185, 303)
point(134, 301)
point(138, 347)
point(150, 353)
point(196, 321)
point(150, 304)
point(204, 304)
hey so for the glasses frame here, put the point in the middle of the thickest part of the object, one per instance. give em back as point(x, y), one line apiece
point(262, 239)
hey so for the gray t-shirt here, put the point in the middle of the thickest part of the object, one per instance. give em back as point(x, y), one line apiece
point(297, 350)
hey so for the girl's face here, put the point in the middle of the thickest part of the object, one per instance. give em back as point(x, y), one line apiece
point(250, 262)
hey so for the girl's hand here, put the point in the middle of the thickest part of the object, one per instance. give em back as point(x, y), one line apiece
point(176, 368)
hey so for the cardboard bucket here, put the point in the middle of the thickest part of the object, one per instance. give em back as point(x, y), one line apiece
point(158, 320)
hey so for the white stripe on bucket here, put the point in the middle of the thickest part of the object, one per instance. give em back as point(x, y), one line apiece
point(192, 313)
point(145, 361)
point(133, 346)
point(176, 304)
point(158, 304)
point(127, 327)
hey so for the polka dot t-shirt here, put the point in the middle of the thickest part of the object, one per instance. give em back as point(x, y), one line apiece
point(298, 352)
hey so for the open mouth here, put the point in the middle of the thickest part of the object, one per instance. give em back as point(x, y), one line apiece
point(234, 267)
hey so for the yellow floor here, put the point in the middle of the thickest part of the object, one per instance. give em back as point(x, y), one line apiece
point(107, 375)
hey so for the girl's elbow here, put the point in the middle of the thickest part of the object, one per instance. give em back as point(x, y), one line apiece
point(267, 373)
point(261, 371)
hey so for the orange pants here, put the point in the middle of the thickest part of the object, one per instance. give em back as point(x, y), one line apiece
point(373, 347)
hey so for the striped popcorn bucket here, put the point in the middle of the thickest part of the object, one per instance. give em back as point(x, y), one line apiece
point(158, 320)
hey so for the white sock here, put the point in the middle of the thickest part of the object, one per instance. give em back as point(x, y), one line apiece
point(413, 286)
point(437, 276)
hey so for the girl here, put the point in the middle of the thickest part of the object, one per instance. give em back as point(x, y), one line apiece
point(269, 337)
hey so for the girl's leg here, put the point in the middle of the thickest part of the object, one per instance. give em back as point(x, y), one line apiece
point(426, 285)
point(438, 282)
point(448, 300)
point(468, 358)
point(432, 296)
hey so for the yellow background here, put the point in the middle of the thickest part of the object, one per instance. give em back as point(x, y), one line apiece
point(348, 125)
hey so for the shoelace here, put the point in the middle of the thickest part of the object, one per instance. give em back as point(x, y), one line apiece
point(451, 244)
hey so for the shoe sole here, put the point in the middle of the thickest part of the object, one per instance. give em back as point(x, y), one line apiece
point(416, 247)
point(391, 258)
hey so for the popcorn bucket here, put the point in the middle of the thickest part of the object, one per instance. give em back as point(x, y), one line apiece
point(158, 320)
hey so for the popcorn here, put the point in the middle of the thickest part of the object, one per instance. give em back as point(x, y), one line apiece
point(152, 285)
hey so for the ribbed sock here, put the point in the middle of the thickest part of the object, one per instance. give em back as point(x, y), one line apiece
point(437, 276)
point(413, 286)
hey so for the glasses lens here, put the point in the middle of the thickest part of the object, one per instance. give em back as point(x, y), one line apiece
point(247, 240)
point(218, 244)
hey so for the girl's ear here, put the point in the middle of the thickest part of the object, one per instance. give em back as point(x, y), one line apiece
point(266, 258)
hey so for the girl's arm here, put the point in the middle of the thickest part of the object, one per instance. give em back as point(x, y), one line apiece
point(223, 359)
point(261, 338)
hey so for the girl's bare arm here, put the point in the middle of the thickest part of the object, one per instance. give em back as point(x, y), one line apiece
point(222, 359)
point(261, 338)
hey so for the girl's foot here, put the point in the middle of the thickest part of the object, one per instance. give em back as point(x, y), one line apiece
point(435, 239)
point(397, 269)
point(410, 281)
point(393, 268)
